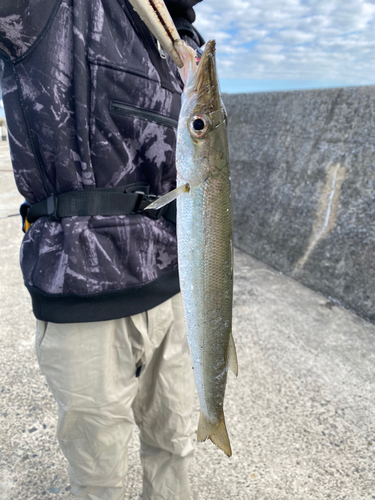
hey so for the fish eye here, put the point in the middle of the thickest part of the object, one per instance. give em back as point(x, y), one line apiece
point(199, 125)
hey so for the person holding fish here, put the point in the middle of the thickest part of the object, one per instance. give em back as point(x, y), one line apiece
point(92, 102)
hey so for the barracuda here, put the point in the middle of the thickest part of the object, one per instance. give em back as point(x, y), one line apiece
point(204, 234)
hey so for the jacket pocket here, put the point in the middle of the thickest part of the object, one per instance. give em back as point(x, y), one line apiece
point(133, 125)
point(144, 114)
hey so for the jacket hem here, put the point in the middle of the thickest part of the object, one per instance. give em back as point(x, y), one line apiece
point(104, 306)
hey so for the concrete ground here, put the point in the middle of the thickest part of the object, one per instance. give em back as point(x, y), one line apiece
point(301, 415)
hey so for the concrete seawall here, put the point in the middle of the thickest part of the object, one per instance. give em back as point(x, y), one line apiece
point(303, 176)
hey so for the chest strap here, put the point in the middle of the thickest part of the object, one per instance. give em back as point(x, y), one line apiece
point(124, 200)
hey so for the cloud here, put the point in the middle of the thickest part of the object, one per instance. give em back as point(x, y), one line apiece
point(294, 39)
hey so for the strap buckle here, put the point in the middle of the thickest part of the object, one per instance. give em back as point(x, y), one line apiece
point(24, 212)
point(52, 204)
point(147, 199)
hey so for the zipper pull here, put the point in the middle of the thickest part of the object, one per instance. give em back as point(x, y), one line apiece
point(162, 53)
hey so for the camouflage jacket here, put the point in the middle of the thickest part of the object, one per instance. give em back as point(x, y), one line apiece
point(90, 103)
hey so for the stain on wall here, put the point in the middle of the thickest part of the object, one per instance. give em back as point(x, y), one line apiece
point(326, 215)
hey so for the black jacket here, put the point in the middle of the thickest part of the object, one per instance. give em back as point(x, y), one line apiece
point(90, 104)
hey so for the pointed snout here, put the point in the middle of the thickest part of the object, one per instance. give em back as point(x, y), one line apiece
point(205, 82)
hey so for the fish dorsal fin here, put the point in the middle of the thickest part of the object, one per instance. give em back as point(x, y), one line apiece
point(217, 433)
point(232, 356)
point(167, 198)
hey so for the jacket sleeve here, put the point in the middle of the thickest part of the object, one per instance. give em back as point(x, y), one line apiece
point(22, 23)
point(182, 8)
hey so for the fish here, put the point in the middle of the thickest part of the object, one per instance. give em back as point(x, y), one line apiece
point(204, 240)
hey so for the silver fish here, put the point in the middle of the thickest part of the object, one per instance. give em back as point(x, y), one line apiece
point(204, 235)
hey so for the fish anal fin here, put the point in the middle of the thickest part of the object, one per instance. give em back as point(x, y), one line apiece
point(217, 433)
point(232, 356)
point(167, 198)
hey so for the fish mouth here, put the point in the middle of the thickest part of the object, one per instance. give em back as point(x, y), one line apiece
point(204, 82)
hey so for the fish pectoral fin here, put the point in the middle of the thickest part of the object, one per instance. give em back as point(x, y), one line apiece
point(232, 356)
point(167, 198)
point(217, 433)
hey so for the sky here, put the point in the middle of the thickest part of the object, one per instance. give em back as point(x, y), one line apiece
point(265, 45)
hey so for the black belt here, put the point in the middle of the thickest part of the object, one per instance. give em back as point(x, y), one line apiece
point(125, 200)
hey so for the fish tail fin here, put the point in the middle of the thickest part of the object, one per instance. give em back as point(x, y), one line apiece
point(217, 433)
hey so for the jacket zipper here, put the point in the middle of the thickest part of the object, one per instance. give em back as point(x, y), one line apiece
point(149, 43)
point(151, 116)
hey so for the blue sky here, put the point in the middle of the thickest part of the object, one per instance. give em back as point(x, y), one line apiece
point(265, 45)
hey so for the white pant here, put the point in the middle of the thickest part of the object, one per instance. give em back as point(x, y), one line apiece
point(90, 369)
